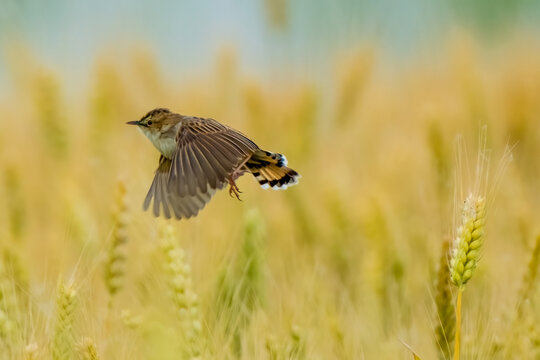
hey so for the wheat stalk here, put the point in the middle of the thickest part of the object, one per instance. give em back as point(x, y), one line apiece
point(445, 330)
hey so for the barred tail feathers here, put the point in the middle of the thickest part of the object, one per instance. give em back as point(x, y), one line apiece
point(271, 171)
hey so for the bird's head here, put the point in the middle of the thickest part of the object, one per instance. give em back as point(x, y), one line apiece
point(156, 122)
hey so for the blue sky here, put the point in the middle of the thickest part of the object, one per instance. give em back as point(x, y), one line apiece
point(185, 35)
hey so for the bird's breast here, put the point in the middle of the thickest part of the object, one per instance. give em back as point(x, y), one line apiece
point(165, 144)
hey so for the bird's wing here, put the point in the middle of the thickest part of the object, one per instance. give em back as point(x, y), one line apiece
point(171, 202)
point(207, 153)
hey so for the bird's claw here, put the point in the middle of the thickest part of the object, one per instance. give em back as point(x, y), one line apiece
point(234, 190)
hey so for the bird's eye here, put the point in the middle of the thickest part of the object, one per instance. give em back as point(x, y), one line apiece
point(149, 122)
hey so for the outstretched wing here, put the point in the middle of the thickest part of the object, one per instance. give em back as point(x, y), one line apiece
point(169, 200)
point(206, 155)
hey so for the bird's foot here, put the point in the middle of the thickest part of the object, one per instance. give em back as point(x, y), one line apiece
point(233, 189)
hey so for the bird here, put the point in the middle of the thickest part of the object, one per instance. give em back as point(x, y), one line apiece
point(200, 156)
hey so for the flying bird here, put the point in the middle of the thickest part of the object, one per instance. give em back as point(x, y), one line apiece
point(200, 156)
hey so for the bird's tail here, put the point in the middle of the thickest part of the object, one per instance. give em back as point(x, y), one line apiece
point(271, 171)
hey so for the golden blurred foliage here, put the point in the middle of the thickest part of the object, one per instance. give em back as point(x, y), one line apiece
point(342, 265)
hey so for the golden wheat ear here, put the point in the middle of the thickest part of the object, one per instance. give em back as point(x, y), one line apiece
point(271, 171)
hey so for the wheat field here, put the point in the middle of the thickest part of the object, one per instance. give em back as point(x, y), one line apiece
point(349, 264)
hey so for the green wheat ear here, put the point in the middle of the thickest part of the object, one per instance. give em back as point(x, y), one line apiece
point(63, 344)
point(468, 242)
point(48, 101)
point(240, 286)
point(87, 349)
point(297, 346)
point(466, 253)
point(530, 279)
point(6, 326)
point(524, 335)
point(6, 305)
point(31, 352)
point(12, 303)
point(184, 298)
point(114, 267)
point(15, 202)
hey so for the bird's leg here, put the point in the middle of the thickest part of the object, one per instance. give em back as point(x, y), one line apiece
point(239, 171)
point(233, 189)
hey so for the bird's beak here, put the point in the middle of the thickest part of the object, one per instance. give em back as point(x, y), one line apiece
point(136, 122)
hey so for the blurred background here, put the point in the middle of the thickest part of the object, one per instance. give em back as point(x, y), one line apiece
point(270, 38)
point(379, 105)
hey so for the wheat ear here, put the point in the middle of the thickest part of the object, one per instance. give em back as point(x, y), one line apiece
point(62, 345)
point(530, 280)
point(466, 253)
point(183, 296)
point(114, 267)
point(87, 349)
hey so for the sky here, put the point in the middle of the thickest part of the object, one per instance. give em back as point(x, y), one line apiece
point(185, 36)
